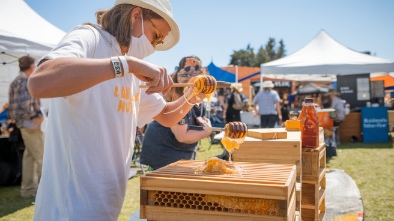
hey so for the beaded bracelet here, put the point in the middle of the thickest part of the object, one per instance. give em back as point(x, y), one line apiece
point(184, 95)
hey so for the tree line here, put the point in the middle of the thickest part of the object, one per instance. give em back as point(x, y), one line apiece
point(269, 52)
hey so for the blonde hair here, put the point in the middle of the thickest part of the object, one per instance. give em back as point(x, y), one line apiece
point(116, 21)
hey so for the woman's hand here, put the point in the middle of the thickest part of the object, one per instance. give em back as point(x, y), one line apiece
point(156, 77)
point(203, 121)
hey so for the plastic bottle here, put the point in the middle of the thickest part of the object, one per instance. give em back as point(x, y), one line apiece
point(293, 124)
point(309, 124)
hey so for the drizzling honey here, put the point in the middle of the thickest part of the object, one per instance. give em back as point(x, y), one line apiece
point(234, 136)
point(204, 84)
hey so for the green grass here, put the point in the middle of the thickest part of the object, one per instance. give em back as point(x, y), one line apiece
point(370, 165)
point(372, 168)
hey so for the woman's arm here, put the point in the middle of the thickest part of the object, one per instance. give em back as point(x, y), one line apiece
point(174, 111)
point(67, 76)
point(188, 136)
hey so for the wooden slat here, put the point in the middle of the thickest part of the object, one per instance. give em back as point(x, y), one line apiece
point(268, 133)
point(175, 214)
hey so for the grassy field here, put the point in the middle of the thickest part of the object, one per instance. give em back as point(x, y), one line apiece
point(372, 168)
point(370, 165)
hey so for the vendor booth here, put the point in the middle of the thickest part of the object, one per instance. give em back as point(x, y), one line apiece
point(324, 55)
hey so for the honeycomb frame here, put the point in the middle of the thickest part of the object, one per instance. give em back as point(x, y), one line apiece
point(218, 203)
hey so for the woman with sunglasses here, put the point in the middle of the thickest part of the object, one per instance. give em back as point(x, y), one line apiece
point(164, 145)
point(93, 78)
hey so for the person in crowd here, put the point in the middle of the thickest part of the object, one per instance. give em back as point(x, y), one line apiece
point(267, 106)
point(165, 145)
point(217, 108)
point(285, 110)
point(25, 111)
point(347, 109)
point(100, 90)
point(3, 119)
point(235, 102)
point(339, 106)
point(3, 112)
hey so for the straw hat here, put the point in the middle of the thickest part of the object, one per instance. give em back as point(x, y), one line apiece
point(162, 8)
point(268, 84)
point(237, 86)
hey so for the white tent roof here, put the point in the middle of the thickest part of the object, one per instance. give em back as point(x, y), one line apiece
point(23, 31)
point(324, 55)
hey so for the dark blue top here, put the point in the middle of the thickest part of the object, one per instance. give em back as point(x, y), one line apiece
point(160, 147)
point(3, 116)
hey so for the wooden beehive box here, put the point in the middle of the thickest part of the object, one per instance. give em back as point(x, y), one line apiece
point(268, 133)
point(282, 151)
point(264, 191)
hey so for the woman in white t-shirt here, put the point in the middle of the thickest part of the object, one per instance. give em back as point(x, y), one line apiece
point(96, 104)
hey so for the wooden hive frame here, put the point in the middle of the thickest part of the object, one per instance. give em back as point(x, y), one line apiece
point(176, 192)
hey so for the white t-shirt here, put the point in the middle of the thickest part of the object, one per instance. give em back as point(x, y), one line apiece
point(90, 137)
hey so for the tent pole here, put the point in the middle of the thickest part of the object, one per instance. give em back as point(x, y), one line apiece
point(236, 73)
point(261, 79)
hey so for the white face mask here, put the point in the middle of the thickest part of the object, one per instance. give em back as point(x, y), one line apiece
point(140, 47)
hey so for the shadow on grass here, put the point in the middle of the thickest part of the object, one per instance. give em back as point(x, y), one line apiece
point(350, 145)
point(11, 200)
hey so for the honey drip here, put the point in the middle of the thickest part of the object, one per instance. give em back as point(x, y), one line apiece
point(216, 166)
point(234, 135)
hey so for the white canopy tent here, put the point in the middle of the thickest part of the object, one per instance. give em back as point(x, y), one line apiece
point(325, 56)
point(22, 32)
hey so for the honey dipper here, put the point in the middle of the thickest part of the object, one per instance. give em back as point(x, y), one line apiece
point(233, 130)
point(219, 84)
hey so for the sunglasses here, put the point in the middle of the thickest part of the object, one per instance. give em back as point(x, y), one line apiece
point(192, 68)
point(190, 71)
point(159, 37)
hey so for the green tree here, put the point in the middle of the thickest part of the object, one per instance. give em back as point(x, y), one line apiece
point(244, 56)
point(247, 57)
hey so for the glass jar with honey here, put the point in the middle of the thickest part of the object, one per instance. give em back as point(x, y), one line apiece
point(309, 124)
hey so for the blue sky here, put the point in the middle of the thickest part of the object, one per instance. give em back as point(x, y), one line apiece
point(213, 29)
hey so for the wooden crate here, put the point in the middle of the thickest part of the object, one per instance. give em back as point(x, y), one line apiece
point(314, 214)
point(313, 190)
point(268, 133)
point(264, 191)
point(313, 163)
point(313, 193)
